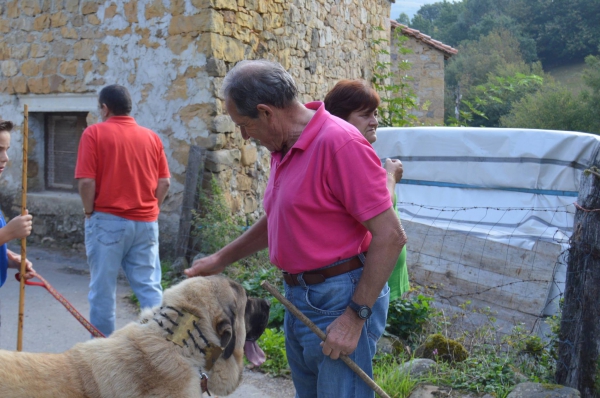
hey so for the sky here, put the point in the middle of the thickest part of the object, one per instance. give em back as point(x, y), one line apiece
point(408, 6)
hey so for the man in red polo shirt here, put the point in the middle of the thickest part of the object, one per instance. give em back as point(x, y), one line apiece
point(123, 179)
point(324, 210)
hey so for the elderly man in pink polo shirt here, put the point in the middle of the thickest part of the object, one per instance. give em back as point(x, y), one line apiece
point(324, 211)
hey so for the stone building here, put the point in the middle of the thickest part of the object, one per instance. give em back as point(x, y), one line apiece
point(55, 55)
point(427, 71)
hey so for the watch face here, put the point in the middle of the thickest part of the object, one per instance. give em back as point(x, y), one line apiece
point(364, 312)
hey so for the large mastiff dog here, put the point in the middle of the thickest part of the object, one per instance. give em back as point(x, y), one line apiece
point(200, 330)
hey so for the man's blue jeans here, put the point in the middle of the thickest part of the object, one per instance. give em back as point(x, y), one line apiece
point(112, 242)
point(314, 374)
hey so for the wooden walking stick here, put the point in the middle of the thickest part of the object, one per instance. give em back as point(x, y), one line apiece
point(296, 312)
point(23, 240)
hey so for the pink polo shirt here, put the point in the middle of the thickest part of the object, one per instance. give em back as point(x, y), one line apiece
point(329, 182)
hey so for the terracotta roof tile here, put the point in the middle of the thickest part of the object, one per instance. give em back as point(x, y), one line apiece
point(438, 45)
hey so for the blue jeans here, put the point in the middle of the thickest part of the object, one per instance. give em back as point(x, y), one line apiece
point(112, 242)
point(314, 374)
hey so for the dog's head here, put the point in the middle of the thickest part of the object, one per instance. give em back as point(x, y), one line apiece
point(222, 320)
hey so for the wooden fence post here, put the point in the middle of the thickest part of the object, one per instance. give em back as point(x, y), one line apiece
point(579, 339)
point(194, 174)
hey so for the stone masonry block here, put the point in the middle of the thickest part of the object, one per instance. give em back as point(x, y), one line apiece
point(30, 7)
point(89, 7)
point(208, 21)
point(69, 33)
point(30, 68)
point(83, 49)
point(217, 4)
point(41, 22)
point(72, 5)
point(223, 124)
point(38, 50)
point(19, 84)
point(223, 159)
point(58, 19)
point(249, 155)
point(69, 68)
point(225, 48)
point(4, 25)
point(9, 68)
point(155, 10)
point(19, 52)
point(131, 11)
point(216, 67)
point(244, 183)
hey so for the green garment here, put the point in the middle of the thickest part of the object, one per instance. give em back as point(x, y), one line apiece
point(398, 281)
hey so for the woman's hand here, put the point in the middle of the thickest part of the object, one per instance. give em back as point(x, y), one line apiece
point(394, 166)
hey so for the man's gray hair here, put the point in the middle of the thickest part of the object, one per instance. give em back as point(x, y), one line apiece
point(250, 83)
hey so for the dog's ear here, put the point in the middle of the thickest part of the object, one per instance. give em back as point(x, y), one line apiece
point(226, 332)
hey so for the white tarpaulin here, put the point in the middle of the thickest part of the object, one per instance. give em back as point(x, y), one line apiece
point(514, 186)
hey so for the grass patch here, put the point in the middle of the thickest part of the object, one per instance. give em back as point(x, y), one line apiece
point(272, 343)
point(569, 75)
point(396, 384)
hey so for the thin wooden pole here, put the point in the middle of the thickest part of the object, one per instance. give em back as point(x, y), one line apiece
point(23, 240)
point(296, 312)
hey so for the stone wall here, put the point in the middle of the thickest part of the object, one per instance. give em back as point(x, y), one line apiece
point(427, 73)
point(172, 55)
point(318, 42)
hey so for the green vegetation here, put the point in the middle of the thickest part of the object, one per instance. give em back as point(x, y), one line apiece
point(569, 75)
point(546, 29)
point(272, 343)
point(556, 107)
point(396, 384)
point(509, 68)
point(407, 317)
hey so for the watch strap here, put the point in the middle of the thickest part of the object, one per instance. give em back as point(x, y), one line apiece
point(363, 311)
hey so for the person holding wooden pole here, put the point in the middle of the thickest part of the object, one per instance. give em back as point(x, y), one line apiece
point(18, 227)
point(326, 205)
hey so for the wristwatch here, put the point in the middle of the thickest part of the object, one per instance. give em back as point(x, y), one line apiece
point(362, 311)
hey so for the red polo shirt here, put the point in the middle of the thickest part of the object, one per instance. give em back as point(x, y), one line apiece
point(320, 192)
point(126, 160)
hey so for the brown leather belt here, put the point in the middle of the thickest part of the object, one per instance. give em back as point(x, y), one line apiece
point(319, 276)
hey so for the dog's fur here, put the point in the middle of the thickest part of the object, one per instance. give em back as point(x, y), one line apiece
point(139, 361)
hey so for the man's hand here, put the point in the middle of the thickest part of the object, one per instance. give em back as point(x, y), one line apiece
point(343, 335)
point(19, 227)
point(205, 266)
point(394, 166)
point(14, 261)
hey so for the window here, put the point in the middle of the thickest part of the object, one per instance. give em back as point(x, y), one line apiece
point(63, 132)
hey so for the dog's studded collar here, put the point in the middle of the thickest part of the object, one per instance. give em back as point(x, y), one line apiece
point(180, 332)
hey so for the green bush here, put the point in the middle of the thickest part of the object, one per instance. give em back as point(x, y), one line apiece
point(272, 343)
point(251, 278)
point(407, 317)
point(554, 107)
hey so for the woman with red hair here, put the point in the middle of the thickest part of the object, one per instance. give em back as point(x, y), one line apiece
point(356, 102)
